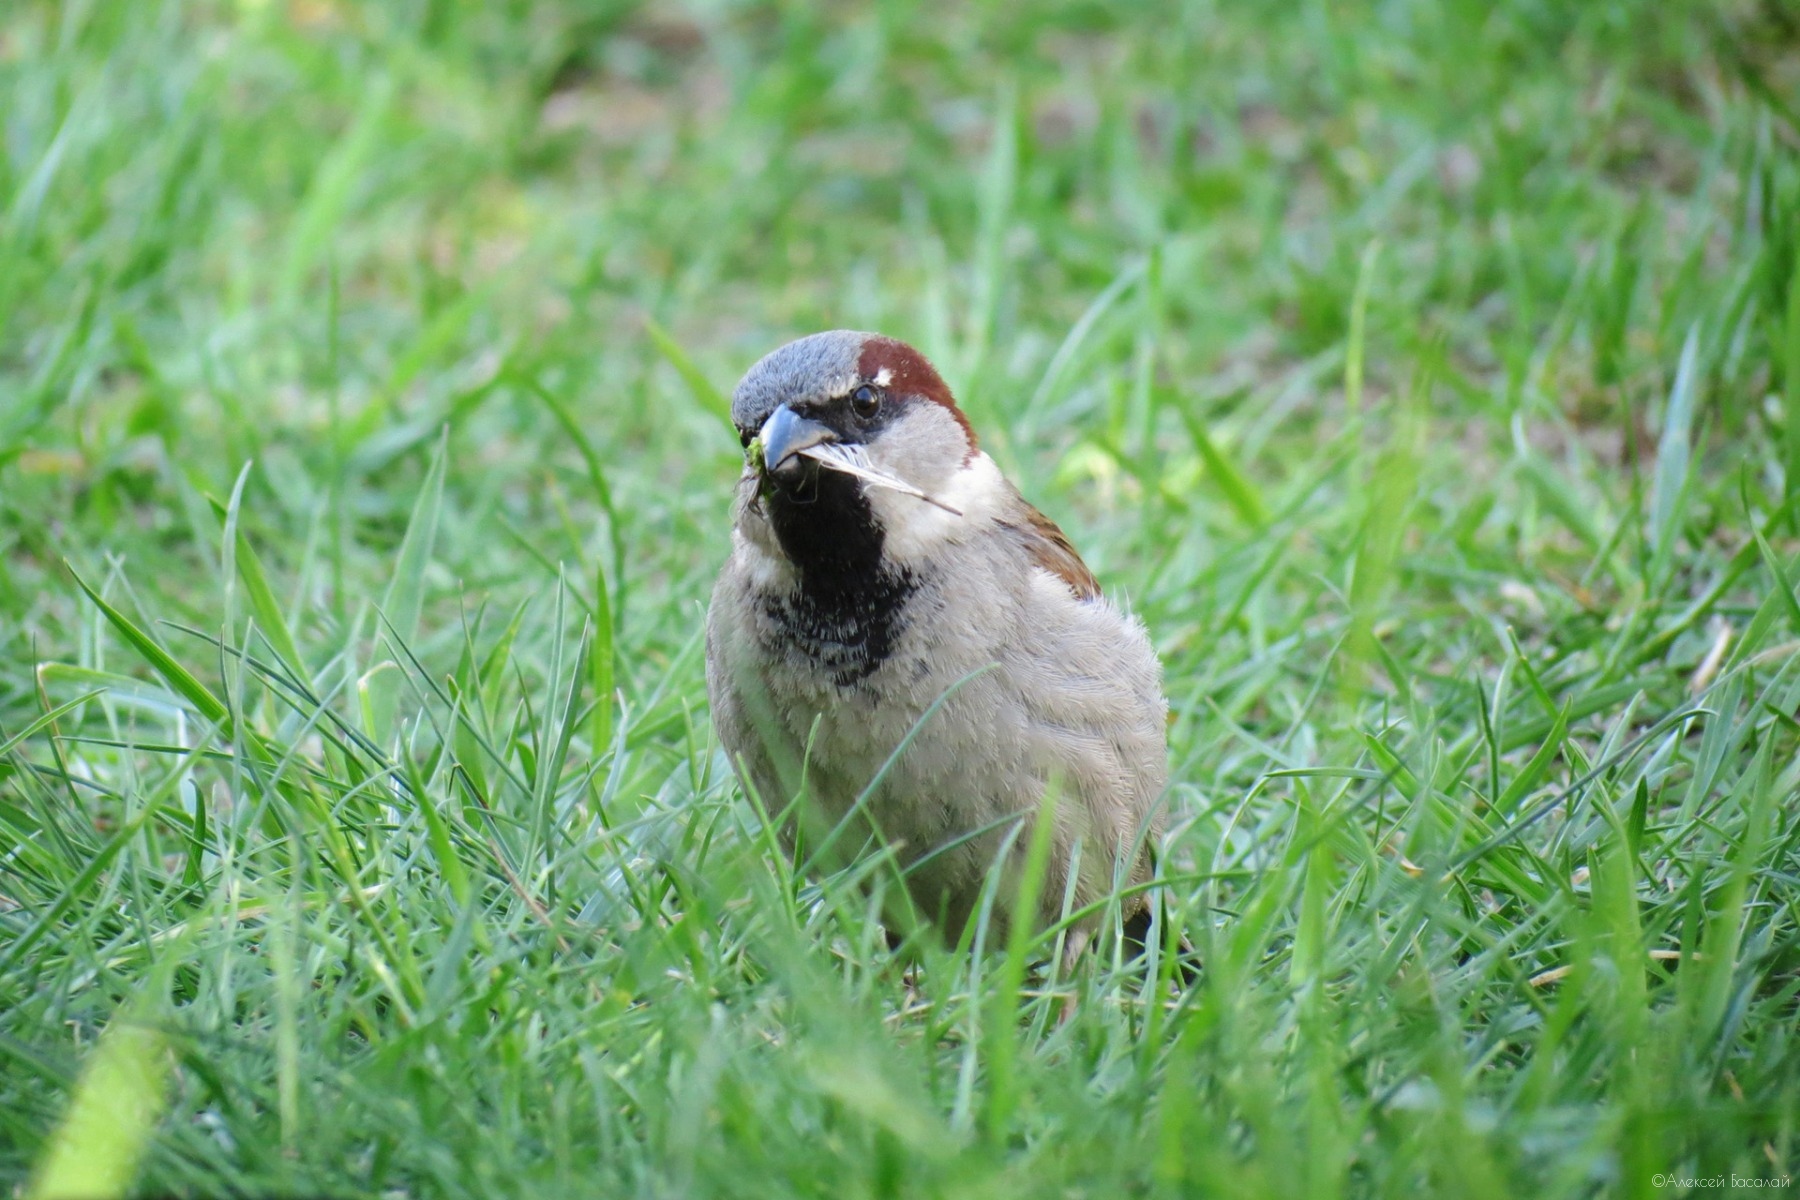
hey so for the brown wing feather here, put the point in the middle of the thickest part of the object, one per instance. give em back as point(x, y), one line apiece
point(1050, 549)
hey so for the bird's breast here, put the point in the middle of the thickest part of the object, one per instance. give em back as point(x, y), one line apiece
point(844, 625)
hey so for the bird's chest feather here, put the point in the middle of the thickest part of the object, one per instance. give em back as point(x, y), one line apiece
point(853, 647)
point(840, 629)
point(852, 672)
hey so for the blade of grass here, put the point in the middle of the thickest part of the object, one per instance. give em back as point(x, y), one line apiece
point(1003, 1032)
point(263, 605)
point(699, 387)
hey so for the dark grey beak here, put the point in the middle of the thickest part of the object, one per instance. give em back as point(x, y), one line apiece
point(785, 434)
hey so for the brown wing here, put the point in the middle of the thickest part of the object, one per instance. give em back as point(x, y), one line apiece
point(1050, 549)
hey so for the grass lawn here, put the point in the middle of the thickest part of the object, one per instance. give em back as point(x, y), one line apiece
point(1425, 373)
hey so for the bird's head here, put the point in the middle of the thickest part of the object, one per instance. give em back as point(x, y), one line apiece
point(871, 394)
point(853, 435)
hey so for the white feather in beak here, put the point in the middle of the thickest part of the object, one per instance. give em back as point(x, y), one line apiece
point(854, 460)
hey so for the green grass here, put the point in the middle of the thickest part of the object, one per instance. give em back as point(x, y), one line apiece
point(1426, 373)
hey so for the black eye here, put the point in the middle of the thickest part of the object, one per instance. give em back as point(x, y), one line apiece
point(865, 401)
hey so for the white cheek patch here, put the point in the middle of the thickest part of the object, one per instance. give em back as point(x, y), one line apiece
point(915, 530)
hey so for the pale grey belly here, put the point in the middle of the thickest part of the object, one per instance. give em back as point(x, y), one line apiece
point(945, 805)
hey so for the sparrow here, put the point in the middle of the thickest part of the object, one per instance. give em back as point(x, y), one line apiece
point(902, 652)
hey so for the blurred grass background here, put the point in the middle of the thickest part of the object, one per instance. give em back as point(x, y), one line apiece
point(1425, 374)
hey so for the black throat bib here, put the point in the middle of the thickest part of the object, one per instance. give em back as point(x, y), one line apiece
point(847, 610)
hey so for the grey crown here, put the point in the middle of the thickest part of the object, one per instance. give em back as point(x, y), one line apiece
point(814, 368)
